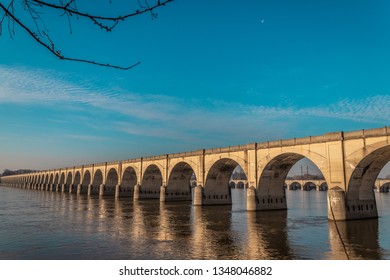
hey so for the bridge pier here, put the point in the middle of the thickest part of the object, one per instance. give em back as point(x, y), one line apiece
point(262, 199)
point(198, 195)
point(117, 190)
point(163, 194)
point(101, 190)
point(137, 190)
point(340, 208)
point(124, 191)
point(89, 189)
point(251, 199)
point(106, 190)
point(173, 194)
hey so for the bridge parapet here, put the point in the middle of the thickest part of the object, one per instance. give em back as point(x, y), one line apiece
point(133, 160)
point(226, 149)
point(186, 154)
point(363, 133)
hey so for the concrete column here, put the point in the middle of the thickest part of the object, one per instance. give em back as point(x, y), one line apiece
point(79, 186)
point(337, 205)
point(117, 190)
point(251, 199)
point(340, 208)
point(101, 190)
point(198, 195)
point(63, 188)
point(163, 190)
point(137, 190)
point(89, 189)
point(57, 187)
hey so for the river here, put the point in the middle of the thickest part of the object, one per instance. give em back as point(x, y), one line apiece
point(47, 225)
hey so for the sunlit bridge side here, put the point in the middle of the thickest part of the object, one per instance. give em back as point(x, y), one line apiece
point(348, 165)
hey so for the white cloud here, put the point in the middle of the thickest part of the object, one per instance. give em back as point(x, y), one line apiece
point(171, 117)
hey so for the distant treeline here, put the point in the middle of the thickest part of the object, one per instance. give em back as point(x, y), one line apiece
point(8, 172)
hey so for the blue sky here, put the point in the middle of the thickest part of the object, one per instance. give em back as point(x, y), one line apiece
point(212, 74)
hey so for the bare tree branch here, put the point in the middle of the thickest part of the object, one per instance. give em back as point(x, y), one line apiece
point(95, 18)
point(42, 37)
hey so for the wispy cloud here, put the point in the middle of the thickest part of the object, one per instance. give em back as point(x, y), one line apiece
point(172, 117)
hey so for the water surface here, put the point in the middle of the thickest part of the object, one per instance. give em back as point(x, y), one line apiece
point(45, 225)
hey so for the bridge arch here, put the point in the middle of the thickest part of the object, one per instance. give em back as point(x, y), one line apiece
point(46, 180)
point(270, 191)
point(308, 186)
point(97, 181)
point(129, 180)
point(51, 178)
point(61, 181)
point(385, 187)
point(39, 181)
point(77, 178)
point(111, 182)
point(86, 181)
point(68, 182)
point(179, 182)
point(366, 172)
point(216, 188)
point(56, 178)
point(152, 181)
point(295, 186)
point(323, 186)
point(360, 197)
point(76, 181)
point(240, 185)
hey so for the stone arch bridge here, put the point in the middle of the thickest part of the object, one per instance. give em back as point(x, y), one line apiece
point(349, 161)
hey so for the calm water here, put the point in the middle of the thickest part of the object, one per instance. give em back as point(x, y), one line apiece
point(45, 225)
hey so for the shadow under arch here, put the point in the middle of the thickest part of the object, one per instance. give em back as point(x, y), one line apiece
point(360, 196)
point(94, 188)
point(68, 182)
point(295, 186)
point(129, 180)
point(86, 182)
point(76, 181)
point(308, 186)
point(216, 190)
point(179, 183)
point(323, 187)
point(111, 182)
point(61, 182)
point(151, 183)
point(56, 181)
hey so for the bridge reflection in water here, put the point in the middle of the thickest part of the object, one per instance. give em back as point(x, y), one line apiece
point(73, 227)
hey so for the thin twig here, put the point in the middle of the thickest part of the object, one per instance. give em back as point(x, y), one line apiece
point(52, 49)
point(96, 18)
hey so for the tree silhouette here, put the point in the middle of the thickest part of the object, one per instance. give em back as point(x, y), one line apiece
point(35, 9)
